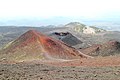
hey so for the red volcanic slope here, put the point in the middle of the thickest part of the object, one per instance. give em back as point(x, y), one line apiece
point(34, 44)
point(105, 49)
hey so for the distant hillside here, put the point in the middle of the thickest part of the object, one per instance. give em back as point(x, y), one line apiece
point(105, 49)
point(34, 45)
point(10, 33)
point(79, 27)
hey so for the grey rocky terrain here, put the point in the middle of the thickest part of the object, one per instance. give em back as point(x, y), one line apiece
point(31, 71)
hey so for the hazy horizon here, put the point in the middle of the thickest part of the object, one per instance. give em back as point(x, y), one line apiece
point(55, 12)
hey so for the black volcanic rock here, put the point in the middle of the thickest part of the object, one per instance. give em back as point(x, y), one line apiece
point(34, 45)
point(66, 37)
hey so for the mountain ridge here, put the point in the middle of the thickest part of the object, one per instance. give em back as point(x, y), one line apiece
point(79, 27)
point(35, 45)
point(111, 47)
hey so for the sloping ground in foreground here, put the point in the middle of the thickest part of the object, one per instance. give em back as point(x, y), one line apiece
point(23, 71)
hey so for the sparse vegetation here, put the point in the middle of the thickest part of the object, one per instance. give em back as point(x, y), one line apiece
point(97, 30)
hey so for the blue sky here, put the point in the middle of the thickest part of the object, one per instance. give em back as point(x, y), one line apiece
point(43, 11)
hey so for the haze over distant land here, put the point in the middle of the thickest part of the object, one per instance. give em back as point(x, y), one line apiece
point(107, 24)
point(101, 13)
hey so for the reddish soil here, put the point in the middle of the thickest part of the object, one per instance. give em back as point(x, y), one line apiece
point(105, 49)
point(98, 61)
point(88, 62)
point(33, 44)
